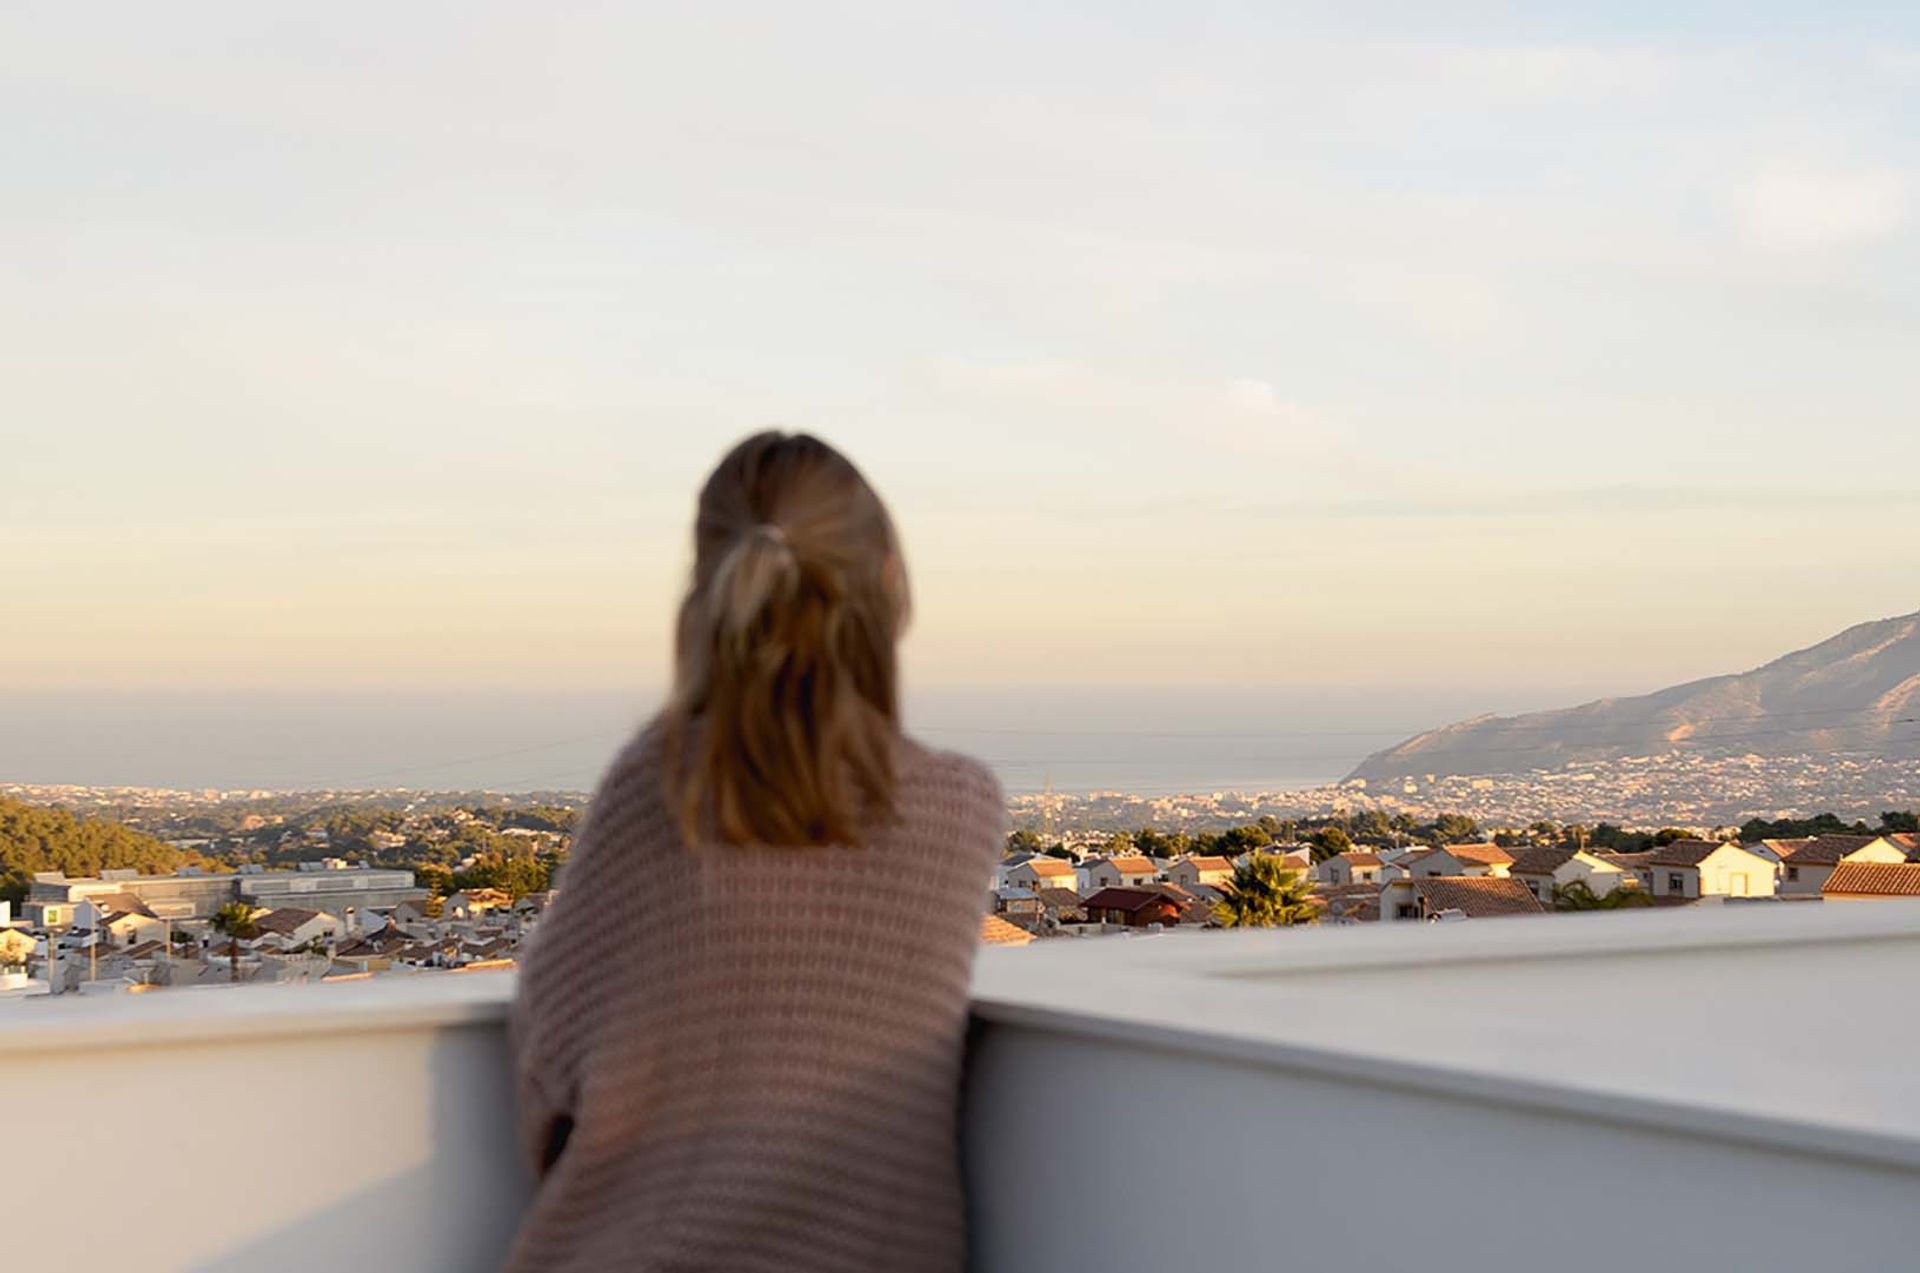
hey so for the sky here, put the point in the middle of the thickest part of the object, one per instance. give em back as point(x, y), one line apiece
point(1493, 354)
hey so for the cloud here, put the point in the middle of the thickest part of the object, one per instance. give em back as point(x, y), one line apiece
point(1790, 208)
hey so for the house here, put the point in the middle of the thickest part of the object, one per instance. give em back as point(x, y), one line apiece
point(1297, 859)
point(1805, 867)
point(472, 903)
point(1423, 864)
point(291, 926)
point(1352, 867)
point(1062, 906)
point(131, 928)
point(1037, 873)
point(1543, 870)
point(1851, 881)
point(1709, 868)
point(1192, 871)
point(412, 917)
point(1350, 903)
point(1133, 907)
point(1018, 906)
point(995, 931)
point(1116, 872)
point(1637, 865)
point(1474, 896)
point(1481, 859)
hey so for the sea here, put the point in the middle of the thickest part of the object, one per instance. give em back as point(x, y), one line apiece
point(1145, 740)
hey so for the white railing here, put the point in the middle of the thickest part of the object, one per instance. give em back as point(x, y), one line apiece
point(1675, 1090)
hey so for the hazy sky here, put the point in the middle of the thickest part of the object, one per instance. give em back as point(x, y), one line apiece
point(359, 345)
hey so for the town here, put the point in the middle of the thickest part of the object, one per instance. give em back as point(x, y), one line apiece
point(176, 890)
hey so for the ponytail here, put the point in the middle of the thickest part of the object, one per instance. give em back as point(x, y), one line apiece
point(782, 723)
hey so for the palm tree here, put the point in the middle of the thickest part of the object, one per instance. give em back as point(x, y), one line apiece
point(1266, 893)
point(235, 922)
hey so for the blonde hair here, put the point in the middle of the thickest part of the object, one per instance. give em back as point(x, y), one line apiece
point(781, 726)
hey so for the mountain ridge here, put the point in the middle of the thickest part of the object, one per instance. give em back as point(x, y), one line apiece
point(1857, 691)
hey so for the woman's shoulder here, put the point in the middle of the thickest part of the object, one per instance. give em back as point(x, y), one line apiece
point(951, 777)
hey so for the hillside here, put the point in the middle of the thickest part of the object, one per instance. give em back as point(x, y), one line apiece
point(34, 838)
point(1857, 692)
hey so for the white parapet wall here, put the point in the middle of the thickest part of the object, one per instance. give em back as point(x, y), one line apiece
point(264, 1129)
point(1687, 1091)
point(1719, 1089)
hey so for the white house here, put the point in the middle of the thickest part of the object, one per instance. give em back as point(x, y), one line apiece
point(1545, 869)
point(1042, 872)
point(291, 926)
point(1115, 872)
point(1352, 867)
point(131, 928)
point(1194, 872)
point(1706, 868)
point(1806, 864)
point(475, 902)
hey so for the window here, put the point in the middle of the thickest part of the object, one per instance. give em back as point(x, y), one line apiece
point(1676, 882)
point(1793, 872)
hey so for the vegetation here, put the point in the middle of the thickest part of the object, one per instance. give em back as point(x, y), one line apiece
point(35, 838)
point(1891, 823)
point(1579, 896)
point(234, 921)
point(515, 876)
point(1265, 893)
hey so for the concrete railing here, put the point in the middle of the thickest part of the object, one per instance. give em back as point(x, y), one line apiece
point(1674, 1090)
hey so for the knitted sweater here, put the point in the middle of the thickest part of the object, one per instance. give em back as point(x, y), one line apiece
point(748, 1059)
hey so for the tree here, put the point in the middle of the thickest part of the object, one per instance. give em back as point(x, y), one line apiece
point(1455, 828)
point(1329, 842)
point(1240, 839)
point(234, 921)
point(1667, 835)
point(33, 838)
point(1266, 893)
point(1907, 823)
point(1025, 841)
point(1578, 895)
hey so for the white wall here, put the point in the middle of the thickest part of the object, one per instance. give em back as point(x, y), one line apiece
point(404, 1159)
point(1340, 1140)
point(1314, 1064)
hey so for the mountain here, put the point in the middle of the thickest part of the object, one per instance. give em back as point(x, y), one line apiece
point(1858, 692)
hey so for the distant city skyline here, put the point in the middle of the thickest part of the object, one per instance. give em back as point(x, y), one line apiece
point(1462, 355)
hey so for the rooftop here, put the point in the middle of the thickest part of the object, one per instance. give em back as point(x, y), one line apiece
point(1340, 1061)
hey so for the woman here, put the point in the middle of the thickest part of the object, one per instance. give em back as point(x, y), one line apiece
point(738, 1034)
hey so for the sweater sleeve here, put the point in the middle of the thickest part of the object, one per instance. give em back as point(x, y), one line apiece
point(545, 1122)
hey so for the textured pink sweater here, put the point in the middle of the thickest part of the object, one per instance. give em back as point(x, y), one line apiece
point(748, 1059)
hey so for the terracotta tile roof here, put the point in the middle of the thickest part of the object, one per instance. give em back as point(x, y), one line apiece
point(1907, 841)
point(1355, 857)
point(1478, 896)
point(995, 931)
point(1827, 850)
point(1627, 861)
point(1873, 879)
point(1131, 865)
point(1541, 861)
point(1480, 854)
point(1059, 898)
point(1056, 867)
point(1210, 863)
